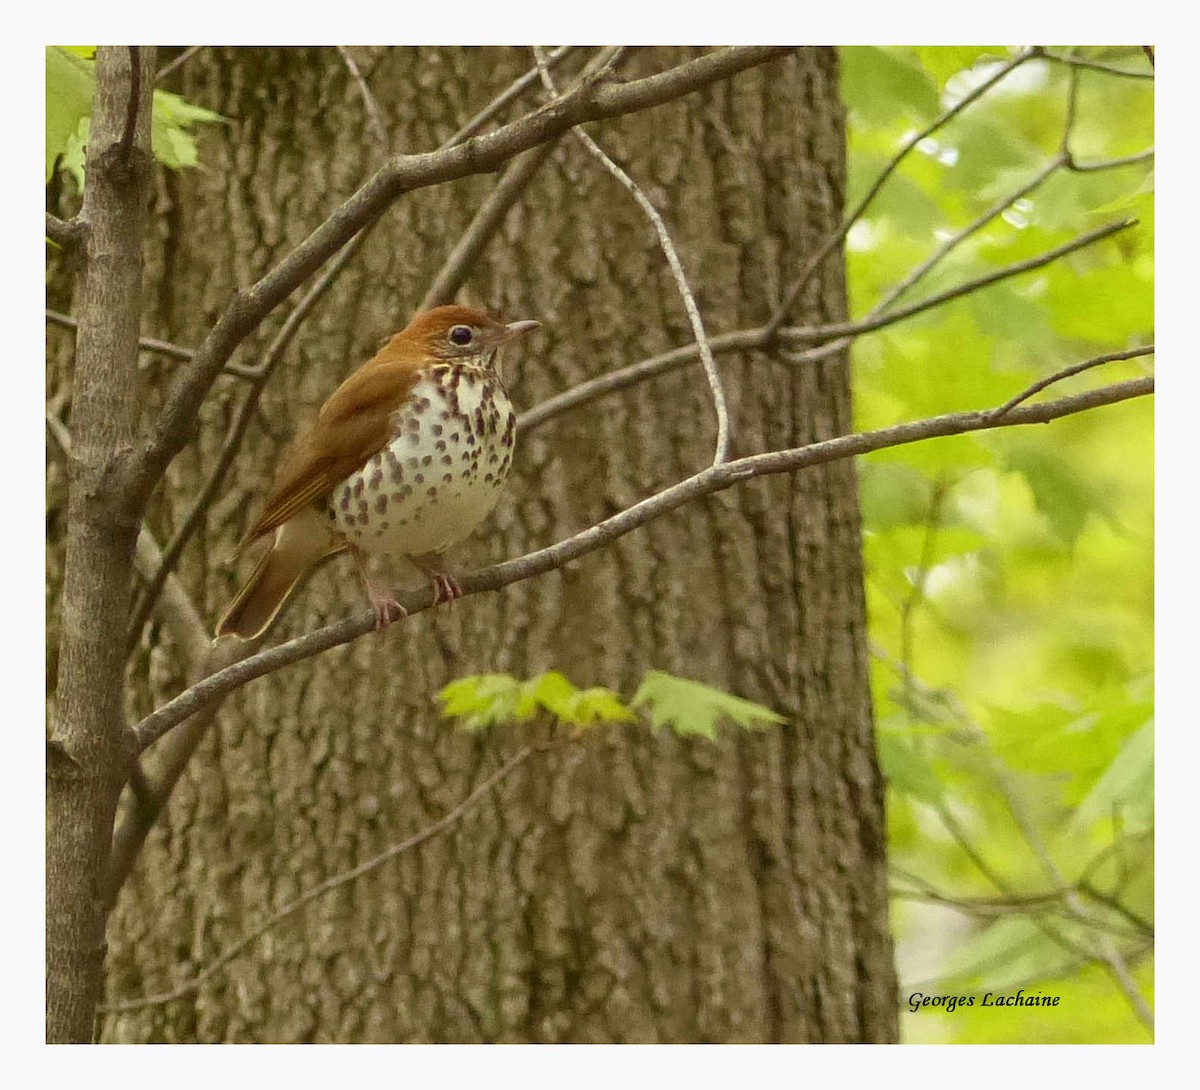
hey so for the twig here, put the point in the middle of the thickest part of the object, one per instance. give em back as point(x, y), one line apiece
point(403, 174)
point(491, 214)
point(1097, 66)
point(152, 344)
point(849, 330)
point(486, 223)
point(64, 233)
point(1067, 372)
point(1110, 164)
point(506, 96)
point(672, 256)
point(838, 336)
point(834, 240)
point(440, 826)
point(60, 438)
point(374, 117)
point(704, 483)
point(178, 62)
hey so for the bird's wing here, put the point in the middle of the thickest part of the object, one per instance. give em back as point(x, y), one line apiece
point(352, 426)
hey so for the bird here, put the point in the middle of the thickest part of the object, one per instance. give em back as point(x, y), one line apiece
point(405, 458)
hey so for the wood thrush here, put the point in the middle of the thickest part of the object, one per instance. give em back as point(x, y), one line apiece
point(406, 458)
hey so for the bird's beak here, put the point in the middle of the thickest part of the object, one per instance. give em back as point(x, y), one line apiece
point(518, 329)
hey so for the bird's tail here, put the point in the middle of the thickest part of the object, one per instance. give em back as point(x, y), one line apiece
point(299, 545)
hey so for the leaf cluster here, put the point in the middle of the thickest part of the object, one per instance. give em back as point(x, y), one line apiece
point(688, 708)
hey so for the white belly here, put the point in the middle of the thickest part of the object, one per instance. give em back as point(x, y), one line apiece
point(441, 473)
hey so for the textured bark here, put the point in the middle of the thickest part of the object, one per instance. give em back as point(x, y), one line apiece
point(619, 887)
point(89, 747)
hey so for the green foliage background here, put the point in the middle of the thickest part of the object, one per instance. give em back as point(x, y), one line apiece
point(1010, 573)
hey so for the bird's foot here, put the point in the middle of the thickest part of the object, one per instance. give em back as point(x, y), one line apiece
point(445, 587)
point(387, 610)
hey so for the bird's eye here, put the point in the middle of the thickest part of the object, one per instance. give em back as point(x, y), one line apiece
point(461, 335)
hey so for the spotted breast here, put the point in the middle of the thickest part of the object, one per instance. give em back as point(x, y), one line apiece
point(441, 472)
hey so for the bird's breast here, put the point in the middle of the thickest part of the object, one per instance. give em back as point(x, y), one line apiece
point(441, 472)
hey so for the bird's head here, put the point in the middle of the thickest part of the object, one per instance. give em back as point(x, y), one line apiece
point(455, 333)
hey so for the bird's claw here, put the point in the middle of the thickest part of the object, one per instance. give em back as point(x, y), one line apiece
point(445, 588)
point(387, 610)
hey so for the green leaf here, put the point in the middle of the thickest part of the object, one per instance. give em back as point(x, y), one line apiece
point(69, 79)
point(484, 700)
point(1062, 493)
point(688, 707)
point(480, 701)
point(944, 61)
point(1127, 783)
point(174, 146)
point(893, 494)
point(884, 84)
point(908, 769)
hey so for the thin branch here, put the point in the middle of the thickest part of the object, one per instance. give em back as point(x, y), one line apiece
point(403, 174)
point(1067, 372)
point(705, 483)
point(835, 239)
point(178, 62)
point(1110, 164)
point(506, 96)
point(965, 233)
point(65, 233)
point(491, 214)
point(612, 381)
point(445, 822)
point(1097, 66)
point(374, 117)
point(60, 439)
point(233, 440)
point(839, 335)
point(152, 344)
point(488, 220)
point(672, 255)
point(1070, 114)
point(849, 330)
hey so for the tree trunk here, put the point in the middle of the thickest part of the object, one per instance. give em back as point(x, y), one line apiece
point(89, 748)
point(621, 886)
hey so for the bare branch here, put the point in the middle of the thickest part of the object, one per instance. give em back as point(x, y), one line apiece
point(447, 821)
point(403, 174)
point(1110, 164)
point(672, 255)
point(835, 239)
point(65, 233)
point(961, 236)
point(704, 483)
point(1067, 372)
point(506, 96)
point(1098, 66)
point(374, 117)
point(487, 222)
point(847, 332)
point(839, 335)
point(152, 344)
point(490, 216)
point(178, 62)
